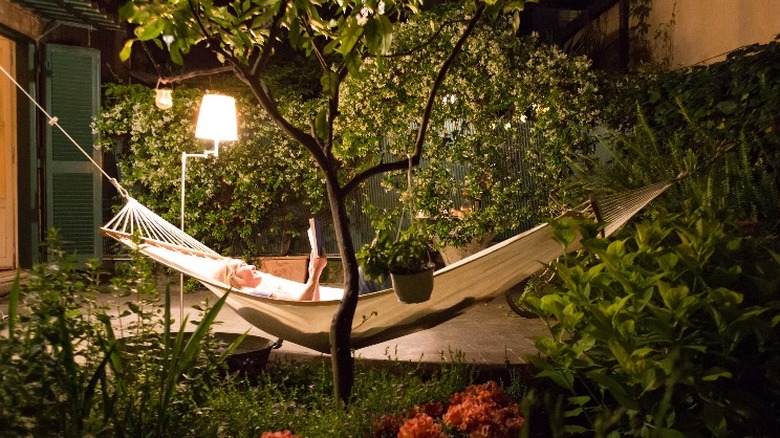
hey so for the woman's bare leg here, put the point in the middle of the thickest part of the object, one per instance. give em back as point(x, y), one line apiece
point(312, 290)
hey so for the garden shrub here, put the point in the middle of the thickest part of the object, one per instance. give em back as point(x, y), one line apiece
point(65, 373)
point(52, 361)
point(509, 105)
point(670, 331)
point(297, 396)
point(721, 119)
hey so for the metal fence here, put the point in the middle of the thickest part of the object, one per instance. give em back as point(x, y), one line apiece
point(516, 145)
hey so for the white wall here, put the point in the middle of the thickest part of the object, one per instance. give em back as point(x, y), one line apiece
point(705, 30)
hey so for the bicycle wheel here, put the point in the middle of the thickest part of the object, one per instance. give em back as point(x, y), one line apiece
point(515, 298)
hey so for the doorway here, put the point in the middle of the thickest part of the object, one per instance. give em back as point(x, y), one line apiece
point(8, 195)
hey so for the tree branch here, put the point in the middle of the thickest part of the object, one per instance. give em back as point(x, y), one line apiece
point(315, 49)
point(268, 48)
point(195, 74)
point(426, 115)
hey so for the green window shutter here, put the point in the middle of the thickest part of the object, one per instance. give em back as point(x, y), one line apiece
point(73, 184)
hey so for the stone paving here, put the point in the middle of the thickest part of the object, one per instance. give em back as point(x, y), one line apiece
point(486, 334)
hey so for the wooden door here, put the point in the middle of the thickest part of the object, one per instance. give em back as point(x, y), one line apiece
point(8, 235)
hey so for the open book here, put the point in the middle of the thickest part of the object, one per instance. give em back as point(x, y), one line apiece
point(316, 240)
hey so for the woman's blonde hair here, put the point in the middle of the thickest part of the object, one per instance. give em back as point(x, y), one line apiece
point(227, 273)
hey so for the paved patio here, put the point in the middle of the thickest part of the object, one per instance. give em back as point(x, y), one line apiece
point(485, 334)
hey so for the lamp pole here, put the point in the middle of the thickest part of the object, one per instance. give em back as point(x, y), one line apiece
point(217, 122)
point(184, 156)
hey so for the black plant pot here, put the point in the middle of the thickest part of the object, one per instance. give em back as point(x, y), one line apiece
point(250, 357)
point(413, 288)
point(248, 360)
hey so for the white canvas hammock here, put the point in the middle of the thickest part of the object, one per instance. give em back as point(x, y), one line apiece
point(379, 316)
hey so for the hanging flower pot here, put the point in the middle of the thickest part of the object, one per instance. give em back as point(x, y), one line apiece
point(413, 288)
point(404, 257)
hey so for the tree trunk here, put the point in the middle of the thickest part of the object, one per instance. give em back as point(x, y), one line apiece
point(341, 326)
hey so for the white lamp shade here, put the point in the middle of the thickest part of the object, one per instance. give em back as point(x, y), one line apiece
point(217, 118)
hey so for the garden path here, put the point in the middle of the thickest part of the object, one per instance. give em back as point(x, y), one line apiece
point(486, 334)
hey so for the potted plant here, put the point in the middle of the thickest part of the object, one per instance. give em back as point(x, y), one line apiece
point(404, 256)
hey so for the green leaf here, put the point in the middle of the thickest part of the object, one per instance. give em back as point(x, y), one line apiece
point(349, 37)
point(150, 30)
point(669, 433)
point(728, 107)
point(621, 393)
point(321, 125)
point(329, 81)
point(716, 373)
point(13, 307)
point(620, 353)
point(353, 64)
point(379, 35)
point(564, 379)
point(579, 400)
point(124, 54)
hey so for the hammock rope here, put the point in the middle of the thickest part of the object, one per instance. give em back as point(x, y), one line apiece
point(617, 208)
point(134, 219)
point(54, 121)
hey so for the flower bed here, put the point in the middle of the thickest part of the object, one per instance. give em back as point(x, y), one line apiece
point(479, 411)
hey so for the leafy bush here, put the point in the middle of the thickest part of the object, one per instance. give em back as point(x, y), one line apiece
point(720, 119)
point(671, 331)
point(297, 396)
point(65, 373)
point(53, 360)
point(509, 106)
point(395, 251)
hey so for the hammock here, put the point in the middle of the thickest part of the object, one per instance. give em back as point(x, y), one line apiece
point(379, 315)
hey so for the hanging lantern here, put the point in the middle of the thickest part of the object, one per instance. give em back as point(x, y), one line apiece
point(163, 98)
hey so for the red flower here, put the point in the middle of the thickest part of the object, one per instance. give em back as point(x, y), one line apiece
point(421, 426)
point(280, 434)
point(434, 410)
point(387, 426)
point(480, 411)
point(484, 411)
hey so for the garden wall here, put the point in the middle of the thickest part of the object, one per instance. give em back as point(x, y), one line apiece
point(703, 31)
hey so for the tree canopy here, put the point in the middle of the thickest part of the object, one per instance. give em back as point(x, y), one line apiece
point(340, 35)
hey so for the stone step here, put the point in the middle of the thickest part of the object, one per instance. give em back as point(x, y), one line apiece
point(7, 280)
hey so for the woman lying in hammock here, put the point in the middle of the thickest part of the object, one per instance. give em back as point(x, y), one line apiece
point(248, 279)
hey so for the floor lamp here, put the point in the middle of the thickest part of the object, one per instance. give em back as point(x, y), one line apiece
point(216, 122)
